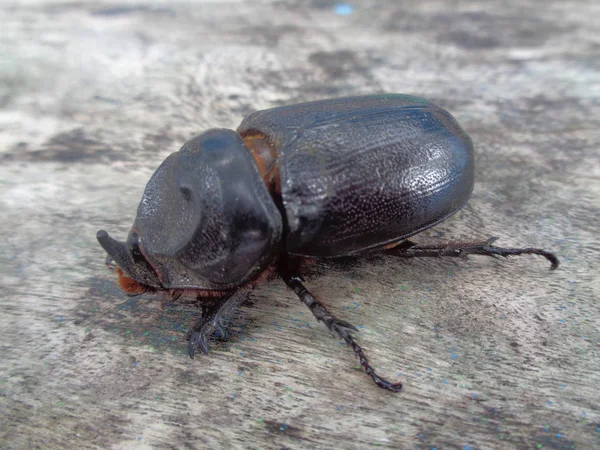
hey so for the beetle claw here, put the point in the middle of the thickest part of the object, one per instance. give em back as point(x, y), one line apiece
point(491, 250)
point(191, 349)
point(212, 321)
point(490, 241)
point(197, 340)
point(220, 329)
point(346, 325)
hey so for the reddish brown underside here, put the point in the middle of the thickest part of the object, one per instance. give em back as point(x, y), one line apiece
point(392, 245)
point(129, 285)
point(133, 287)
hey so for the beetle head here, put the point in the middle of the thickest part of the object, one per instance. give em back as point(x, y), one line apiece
point(206, 220)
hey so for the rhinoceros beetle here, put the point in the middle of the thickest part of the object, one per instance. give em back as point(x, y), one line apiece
point(323, 179)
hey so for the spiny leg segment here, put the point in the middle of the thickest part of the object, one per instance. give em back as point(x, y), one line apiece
point(408, 249)
point(340, 327)
point(212, 320)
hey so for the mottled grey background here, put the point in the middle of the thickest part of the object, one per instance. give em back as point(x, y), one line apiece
point(493, 353)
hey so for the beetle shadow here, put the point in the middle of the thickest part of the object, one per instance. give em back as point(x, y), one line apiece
point(147, 320)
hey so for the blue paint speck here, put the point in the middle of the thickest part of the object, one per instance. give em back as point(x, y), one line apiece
point(421, 436)
point(475, 396)
point(550, 403)
point(468, 447)
point(454, 356)
point(344, 9)
point(559, 436)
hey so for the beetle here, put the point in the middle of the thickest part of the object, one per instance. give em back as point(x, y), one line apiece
point(323, 179)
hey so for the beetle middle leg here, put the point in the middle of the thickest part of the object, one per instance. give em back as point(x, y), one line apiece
point(212, 320)
point(408, 249)
point(342, 328)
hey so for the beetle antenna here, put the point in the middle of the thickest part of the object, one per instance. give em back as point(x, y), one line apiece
point(340, 327)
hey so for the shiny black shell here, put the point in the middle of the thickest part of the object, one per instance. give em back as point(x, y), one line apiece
point(359, 173)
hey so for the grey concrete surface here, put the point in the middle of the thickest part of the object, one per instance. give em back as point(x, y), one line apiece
point(493, 353)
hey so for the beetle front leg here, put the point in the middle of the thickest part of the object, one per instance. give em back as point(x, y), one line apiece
point(408, 249)
point(212, 320)
point(340, 327)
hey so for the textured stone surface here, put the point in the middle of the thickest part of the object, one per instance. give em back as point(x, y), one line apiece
point(493, 353)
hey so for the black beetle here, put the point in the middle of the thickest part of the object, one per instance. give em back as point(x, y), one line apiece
point(322, 179)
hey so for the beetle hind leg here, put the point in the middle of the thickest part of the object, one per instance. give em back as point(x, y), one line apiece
point(408, 249)
point(212, 320)
point(342, 328)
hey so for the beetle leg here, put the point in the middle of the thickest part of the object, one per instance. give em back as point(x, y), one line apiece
point(463, 249)
point(340, 327)
point(212, 320)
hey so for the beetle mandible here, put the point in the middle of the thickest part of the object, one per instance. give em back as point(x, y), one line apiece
point(323, 179)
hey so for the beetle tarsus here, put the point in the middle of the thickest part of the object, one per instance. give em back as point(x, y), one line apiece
point(212, 320)
point(463, 249)
point(344, 324)
point(342, 328)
